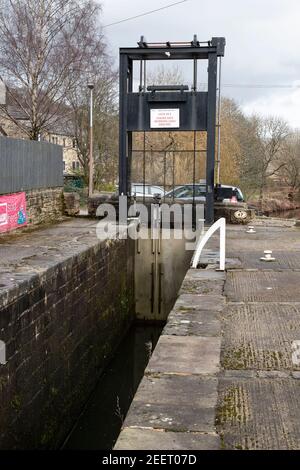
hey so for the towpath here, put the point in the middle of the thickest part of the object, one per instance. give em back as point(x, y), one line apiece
point(226, 371)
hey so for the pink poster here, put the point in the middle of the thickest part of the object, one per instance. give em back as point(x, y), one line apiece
point(12, 211)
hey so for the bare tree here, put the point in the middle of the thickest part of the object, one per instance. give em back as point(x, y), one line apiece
point(47, 48)
point(233, 124)
point(290, 171)
point(104, 79)
point(270, 137)
point(165, 76)
point(249, 159)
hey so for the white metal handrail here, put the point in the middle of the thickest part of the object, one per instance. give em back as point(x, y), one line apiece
point(220, 224)
point(2, 353)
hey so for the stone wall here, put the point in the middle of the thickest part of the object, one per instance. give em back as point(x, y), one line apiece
point(44, 205)
point(71, 203)
point(60, 328)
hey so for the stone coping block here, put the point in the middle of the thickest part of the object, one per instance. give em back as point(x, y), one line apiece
point(204, 275)
point(185, 355)
point(200, 301)
point(193, 324)
point(149, 439)
point(176, 403)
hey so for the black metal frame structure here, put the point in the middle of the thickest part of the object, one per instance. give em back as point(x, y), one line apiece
point(197, 109)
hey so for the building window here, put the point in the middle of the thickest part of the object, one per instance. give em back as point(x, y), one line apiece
point(75, 165)
point(74, 143)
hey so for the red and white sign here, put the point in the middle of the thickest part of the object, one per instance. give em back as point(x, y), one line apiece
point(164, 118)
point(12, 211)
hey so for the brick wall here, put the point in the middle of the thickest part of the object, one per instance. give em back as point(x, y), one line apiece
point(60, 329)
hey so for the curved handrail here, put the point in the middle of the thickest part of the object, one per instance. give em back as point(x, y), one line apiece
point(220, 224)
point(2, 353)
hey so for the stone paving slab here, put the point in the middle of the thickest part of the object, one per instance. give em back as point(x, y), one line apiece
point(260, 336)
point(187, 302)
point(193, 323)
point(266, 374)
point(182, 355)
point(34, 252)
point(196, 315)
point(262, 286)
point(258, 403)
point(204, 275)
point(176, 403)
point(259, 413)
point(26, 256)
point(149, 439)
point(207, 287)
point(284, 260)
point(265, 238)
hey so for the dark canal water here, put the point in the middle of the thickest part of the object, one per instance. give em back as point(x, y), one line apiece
point(99, 425)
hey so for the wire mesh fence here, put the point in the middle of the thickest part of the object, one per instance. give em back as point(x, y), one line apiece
point(169, 160)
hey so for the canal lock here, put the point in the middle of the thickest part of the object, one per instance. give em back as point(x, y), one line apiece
point(161, 263)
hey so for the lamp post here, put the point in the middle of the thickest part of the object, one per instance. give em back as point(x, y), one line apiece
point(91, 160)
point(219, 123)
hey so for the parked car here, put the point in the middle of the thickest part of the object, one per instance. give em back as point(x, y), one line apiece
point(138, 190)
point(229, 200)
point(226, 193)
point(186, 191)
point(223, 193)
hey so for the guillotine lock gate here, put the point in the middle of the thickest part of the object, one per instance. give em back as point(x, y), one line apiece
point(167, 138)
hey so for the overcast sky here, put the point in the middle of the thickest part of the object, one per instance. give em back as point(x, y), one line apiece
point(262, 43)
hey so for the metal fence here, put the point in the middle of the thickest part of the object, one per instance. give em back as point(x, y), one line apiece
point(26, 165)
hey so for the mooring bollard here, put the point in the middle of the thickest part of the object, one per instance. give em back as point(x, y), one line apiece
point(268, 256)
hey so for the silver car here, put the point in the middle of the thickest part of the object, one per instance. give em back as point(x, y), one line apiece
point(224, 193)
point(138, 190)
point(186, 191)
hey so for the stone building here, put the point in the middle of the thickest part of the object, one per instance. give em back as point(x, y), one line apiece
point(70, 154)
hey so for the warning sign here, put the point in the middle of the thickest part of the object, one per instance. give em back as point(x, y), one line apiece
point(164, 118)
